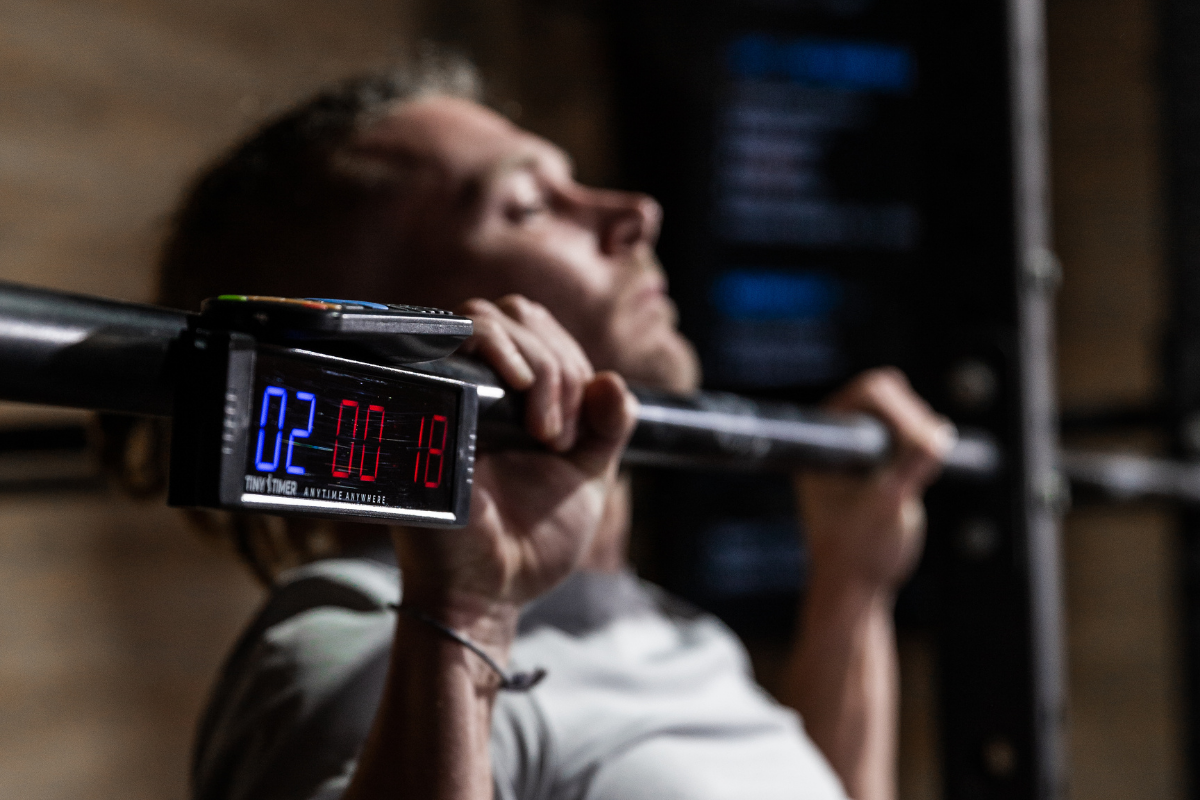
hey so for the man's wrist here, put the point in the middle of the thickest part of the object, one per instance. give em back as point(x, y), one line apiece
point(847, 595)
point(492, 624)
point(444, 634)
point(850, 574)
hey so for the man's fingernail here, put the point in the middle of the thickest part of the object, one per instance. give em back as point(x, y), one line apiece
point(524, 373)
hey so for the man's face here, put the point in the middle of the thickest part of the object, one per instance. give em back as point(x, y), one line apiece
point(492, 210)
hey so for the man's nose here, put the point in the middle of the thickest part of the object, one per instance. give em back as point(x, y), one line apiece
point(626, 220)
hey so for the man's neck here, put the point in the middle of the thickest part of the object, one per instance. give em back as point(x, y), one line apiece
point(610, 549)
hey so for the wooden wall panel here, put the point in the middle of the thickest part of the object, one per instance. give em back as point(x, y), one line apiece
point(1124, 660)
point(1107, 199)
point(107, 108)
point(113, 621)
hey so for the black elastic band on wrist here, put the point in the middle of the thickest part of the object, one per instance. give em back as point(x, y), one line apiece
point(516, 682)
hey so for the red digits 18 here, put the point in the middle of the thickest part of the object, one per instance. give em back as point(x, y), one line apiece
point(431, 452)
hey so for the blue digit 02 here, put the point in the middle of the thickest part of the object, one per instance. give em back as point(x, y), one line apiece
point(301, 433)
point(273, 464)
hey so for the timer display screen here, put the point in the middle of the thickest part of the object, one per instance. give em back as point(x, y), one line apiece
point(326, 435)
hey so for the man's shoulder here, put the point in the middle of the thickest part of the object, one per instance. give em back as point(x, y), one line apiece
point(333, 610)
point(319, 622)
point(326, 619)
point(299, 688)
point(359, 584)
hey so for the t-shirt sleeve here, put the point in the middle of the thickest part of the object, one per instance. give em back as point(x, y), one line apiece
point(521, 748)
point(297, 696)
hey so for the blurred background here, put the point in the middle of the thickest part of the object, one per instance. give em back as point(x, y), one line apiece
point(114, 616)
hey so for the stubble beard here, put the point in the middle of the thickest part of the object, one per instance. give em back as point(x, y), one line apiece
point(673, 367)
point(656, 356)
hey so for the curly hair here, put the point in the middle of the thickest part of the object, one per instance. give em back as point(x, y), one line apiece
point(282, 213)
point(284, 207)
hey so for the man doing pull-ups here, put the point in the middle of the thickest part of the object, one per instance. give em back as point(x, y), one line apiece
point(391, 190)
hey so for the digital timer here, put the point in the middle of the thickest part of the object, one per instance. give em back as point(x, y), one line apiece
point(297, 432)
point(333, 432)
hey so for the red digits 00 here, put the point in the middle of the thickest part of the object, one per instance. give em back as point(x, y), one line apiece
point(362, 461)
point(353, 435)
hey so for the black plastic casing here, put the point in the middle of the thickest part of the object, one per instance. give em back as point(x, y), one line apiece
point(401, 335)
point(211, 424)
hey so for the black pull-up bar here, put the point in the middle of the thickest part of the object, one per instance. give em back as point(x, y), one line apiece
point(72, 350)
point(84, 352)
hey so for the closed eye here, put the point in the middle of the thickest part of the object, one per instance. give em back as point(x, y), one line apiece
point(518, 213)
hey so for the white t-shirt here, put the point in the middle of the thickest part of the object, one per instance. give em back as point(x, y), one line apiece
point(644, 698)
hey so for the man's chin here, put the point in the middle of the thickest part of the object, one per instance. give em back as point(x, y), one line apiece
point(672, 366)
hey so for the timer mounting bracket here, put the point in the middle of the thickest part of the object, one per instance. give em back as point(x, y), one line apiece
point(374, 332)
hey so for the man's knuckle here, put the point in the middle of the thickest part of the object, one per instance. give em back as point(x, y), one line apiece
point(580, 374)
point(526, 308)
point(890, 373)
point(876, 382)
point(543, 366)
point(517, 305)
point(477, 306)
point(536, 311)
point(488, 328)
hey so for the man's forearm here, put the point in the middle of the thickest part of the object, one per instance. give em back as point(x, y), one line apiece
point(842, 678)
point(431, 732)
